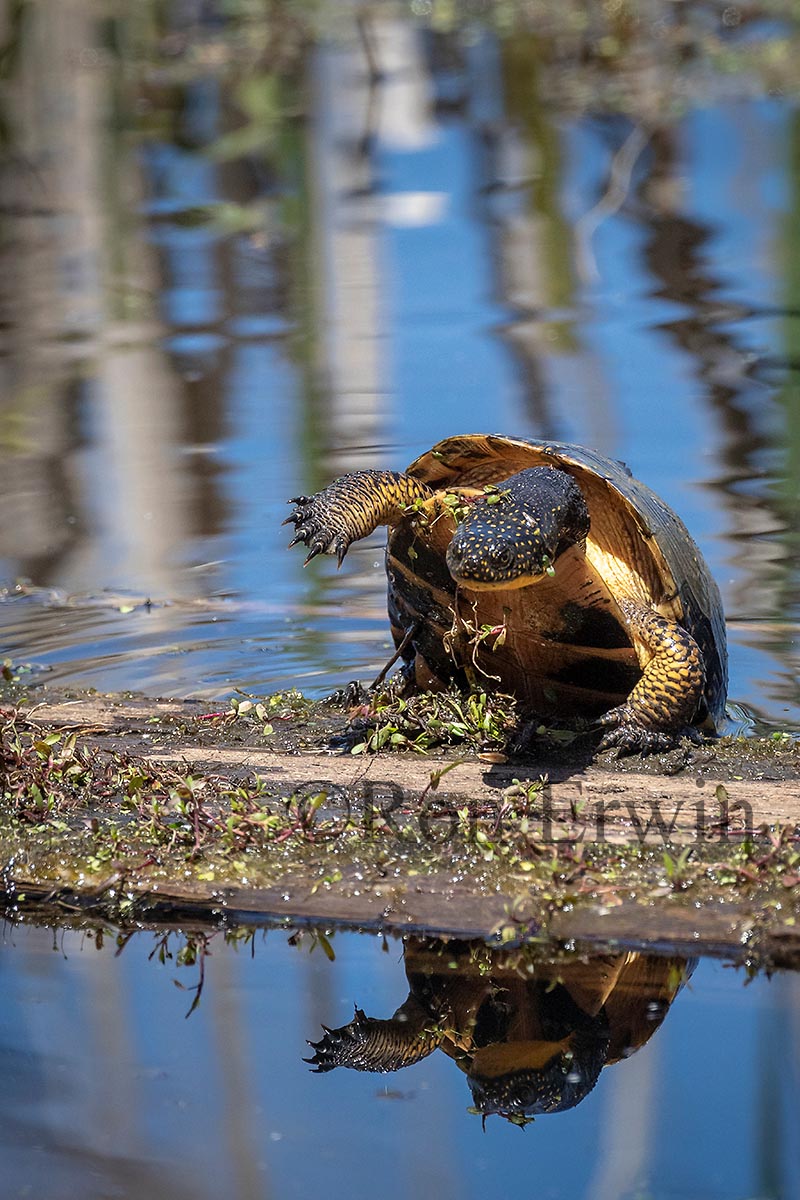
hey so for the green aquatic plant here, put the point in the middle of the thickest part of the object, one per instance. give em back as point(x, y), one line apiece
point(481, 721)
point(87, 826)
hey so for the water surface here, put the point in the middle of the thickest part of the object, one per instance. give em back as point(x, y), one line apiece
point(245, 248)
point(111, 1091)
point(244, 253)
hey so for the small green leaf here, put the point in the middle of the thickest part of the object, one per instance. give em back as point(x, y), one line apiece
point(327, 947)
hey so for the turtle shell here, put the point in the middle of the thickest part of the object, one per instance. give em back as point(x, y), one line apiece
point(560, 645)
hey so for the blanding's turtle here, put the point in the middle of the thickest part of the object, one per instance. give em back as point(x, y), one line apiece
point(542, 570)
point(531, 1037)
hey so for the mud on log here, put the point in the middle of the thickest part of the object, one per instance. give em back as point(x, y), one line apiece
point(701, 858)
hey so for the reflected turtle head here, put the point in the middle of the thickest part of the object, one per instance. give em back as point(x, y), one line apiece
point(550, 1077)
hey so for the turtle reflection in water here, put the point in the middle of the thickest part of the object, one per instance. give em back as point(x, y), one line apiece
point(545, 571)
point(531, 1037)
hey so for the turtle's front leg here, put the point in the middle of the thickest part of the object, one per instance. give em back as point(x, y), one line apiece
point(665, 701)
point(369, 1044)
point(351, 508)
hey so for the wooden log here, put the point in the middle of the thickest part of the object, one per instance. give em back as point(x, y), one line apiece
point(627, 800)
point(712, 800)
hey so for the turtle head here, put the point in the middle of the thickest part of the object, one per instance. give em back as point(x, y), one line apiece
point(539, 1082)
point(513, 535)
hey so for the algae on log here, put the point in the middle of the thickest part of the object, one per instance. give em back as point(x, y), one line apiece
point(138, 810)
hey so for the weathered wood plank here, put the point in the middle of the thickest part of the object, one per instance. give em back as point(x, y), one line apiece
point(708, 803)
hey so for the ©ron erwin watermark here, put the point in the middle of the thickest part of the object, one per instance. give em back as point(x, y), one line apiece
point(382, 809)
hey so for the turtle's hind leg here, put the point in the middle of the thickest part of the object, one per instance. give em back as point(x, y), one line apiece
point(351, 508)
point(660, 709)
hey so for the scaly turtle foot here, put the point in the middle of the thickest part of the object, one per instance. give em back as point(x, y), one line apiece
point(629, 736)
point(313, 526)
point(350, 508)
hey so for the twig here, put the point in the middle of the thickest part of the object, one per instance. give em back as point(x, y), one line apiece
point(412, 629)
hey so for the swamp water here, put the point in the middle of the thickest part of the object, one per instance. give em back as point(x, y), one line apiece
point(243, 253)
point(245, 248)
point(110, 1090)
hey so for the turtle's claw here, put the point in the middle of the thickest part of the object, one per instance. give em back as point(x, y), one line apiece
point(628, 736)
point(314, 527)
point(314, 548)
point(301, 513)
point(633, 739)
point(345, 1047)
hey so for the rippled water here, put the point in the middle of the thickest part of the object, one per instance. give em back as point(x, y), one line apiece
point(242, 254)
point(245, 248)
